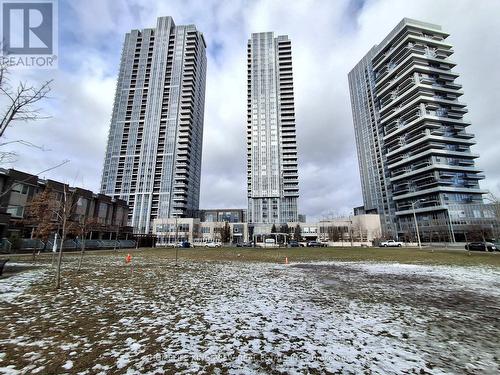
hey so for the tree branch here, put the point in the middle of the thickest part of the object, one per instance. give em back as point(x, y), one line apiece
point(25, 143)
point(22, 101)
point(46, 170)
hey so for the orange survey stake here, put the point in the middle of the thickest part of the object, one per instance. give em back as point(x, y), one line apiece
point(128, 258)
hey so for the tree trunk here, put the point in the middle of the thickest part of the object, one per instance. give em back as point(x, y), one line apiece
point(59, 258)
point(63, 237)
point(116, 240)
point(82, 251)
point(468, 249)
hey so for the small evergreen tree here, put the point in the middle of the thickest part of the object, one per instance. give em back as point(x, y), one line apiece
point(226, 233)
point(296, 234)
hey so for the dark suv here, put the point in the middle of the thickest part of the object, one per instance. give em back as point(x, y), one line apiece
point(244, 244)
point(481, 246)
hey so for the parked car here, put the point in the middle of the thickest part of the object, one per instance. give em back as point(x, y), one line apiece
point(294, 243)
point(244, 244)
point(481, 246)
point(212, 244)
point(316, 244)
point(391, 243)
point(183, 244)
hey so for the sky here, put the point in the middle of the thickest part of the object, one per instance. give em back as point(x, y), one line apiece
point(328, 38)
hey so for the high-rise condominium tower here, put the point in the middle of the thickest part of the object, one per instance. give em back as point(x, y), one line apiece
point(153, 157)
point(413, 149)
point(273, 187)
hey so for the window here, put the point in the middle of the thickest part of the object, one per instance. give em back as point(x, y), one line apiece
point(16, 211)
point(103, 210)
point(20, 188)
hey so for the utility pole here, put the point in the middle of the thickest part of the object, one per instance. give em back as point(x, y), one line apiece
point(416, 223)
point(451, 226)
point(176, 238)
point(416, 226)
point(176, 231)
point(350, 232)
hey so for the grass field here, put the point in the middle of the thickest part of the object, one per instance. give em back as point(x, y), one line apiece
point(303, 254)
point(237, 310)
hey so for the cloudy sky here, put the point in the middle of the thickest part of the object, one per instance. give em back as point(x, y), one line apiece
point(328, 39)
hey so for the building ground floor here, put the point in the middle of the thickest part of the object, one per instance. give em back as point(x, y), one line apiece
point(453, 223)
point(171, 231)
point(359, 229)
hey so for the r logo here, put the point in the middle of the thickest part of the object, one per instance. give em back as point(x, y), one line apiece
point(27, 28)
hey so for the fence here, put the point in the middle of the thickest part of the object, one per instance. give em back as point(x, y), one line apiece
point(26, 244)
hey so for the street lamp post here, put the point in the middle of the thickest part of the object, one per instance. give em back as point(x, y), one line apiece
point(416, 223)
point(175, 243)
point(451, 226)
point(350, 232)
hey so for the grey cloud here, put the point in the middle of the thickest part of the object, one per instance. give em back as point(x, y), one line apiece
point(328, 38)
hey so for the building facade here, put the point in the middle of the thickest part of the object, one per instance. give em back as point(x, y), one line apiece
point(272, 174)
point(358, 228)
point(413, 148)
point(153, 156)
point(169, 232)
point(231, 215)
point(17, 189)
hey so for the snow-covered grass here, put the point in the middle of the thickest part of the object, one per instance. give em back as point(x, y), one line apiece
point(249, 317)
point(15, 285)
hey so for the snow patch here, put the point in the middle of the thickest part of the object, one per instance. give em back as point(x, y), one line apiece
point(224, 317)
point(13, 286)
point(68, 365)
point(9, 370)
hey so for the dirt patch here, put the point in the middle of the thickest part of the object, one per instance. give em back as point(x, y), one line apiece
point(223, 316)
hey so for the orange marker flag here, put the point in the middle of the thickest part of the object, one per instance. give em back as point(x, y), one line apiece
point(128, 258)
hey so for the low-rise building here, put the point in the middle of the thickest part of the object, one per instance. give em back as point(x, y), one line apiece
point(360, 228)
point(171, 231)
point(17, 189)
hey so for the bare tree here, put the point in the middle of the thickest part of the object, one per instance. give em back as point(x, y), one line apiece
point(83, 227)
point(478, 232)
point(40, 212)
point(49, 210)
point(356, 232)
point(495, 211)
point(22, 101)
point(333, 233)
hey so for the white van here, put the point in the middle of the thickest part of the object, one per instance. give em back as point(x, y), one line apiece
point(270, 242)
